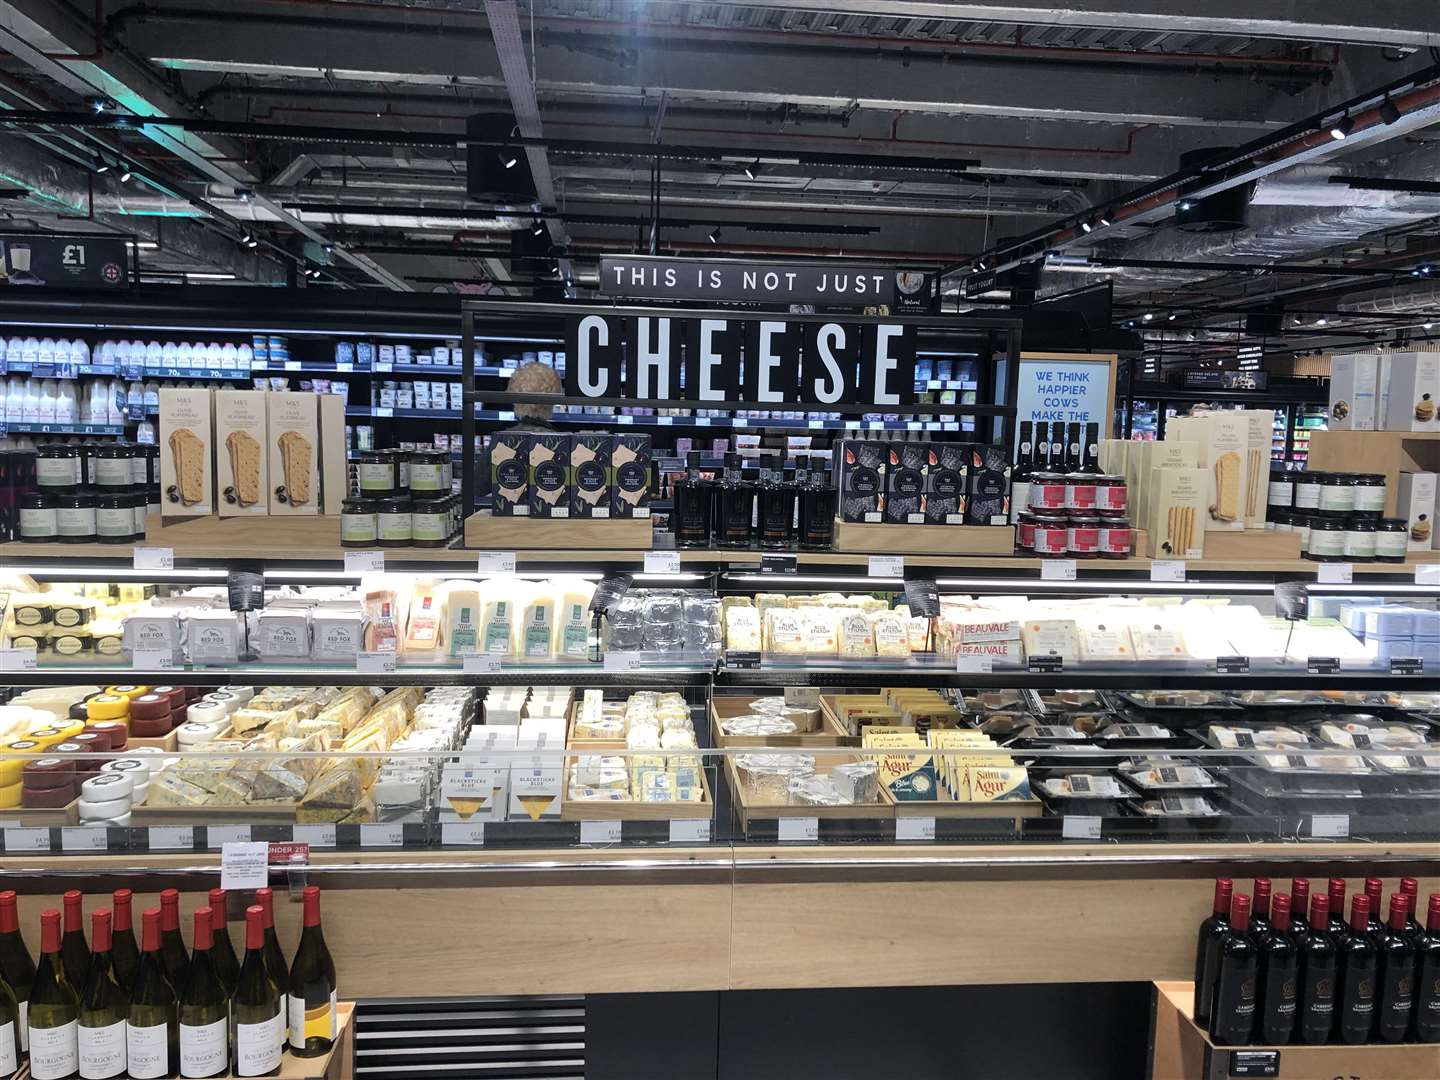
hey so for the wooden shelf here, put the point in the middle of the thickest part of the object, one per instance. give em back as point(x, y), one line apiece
point(487, 532)
point(1388, 453)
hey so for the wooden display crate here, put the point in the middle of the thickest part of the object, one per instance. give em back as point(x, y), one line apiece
point(1180, 1050)
point(946, 807)
point(262, 813)
point(857, 537)
point(1388, 453)
point(724, 708)
point(631, 810)
point(750, 809)
point(27, 818)
point(486, 531)
point(1241, 545)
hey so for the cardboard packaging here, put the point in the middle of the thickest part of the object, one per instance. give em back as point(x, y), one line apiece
point(947, 483)
point(334, 460)
point(1144, 456)
point(630, 476)
point(907, 466)
point(1354, 392)
point(187, 473)
point(1413, 392)
point(1415, 502)
point(549, 475)
point(510, 473)
point(989, 502)
point(1178, 503)
point(241, 459)
point(590, 475)
point(862, 480)
point(1257, 465)
point(1224, 445)
point(294, 452)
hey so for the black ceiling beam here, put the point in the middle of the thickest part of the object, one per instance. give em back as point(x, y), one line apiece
point(1257, 269)
point(1380, 183)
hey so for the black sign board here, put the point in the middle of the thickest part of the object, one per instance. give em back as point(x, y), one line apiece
point(1226, 380)
point(1407, 665)
point(778, 564)
point(1050, 664)
point(713, 281)
point(1323, 665)
point(610, 592)
point(1290, 600)
point(737, 658)
point(1232, 665)
point(1254, 1063)
point(51, 259)
point(922, 596)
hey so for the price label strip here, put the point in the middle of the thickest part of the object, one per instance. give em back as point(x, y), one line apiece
point(1232, 665)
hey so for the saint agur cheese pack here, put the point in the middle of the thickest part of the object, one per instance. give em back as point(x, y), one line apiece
point(294, 453)
point(187, 479)
point(241, 461)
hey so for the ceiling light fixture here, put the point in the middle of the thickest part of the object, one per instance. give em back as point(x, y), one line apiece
point(1427, 325)
point(1186, 206)
point(1321, 321)
point(1171, 317)
point(125, 174)
point(1105, 221)
point(101, 165)
point(1389, 111)
point(1085, 225)
point(1343, 127)
point(714, 236)
point(538, 229)
point(1147, 316)
point(244, 194)
point(979, 264)
point(508, 159)
point(752, 171)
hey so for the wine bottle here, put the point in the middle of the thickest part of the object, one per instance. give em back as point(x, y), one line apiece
point(124, 955)
point(1318, 960)
point(74, 953)
point(1426, 1026)
point(735, 507)
point(1057, 447)
point(222, 953)
point(1336, 925)
point(1072, 449)
point(1299, 905)
point(1280, 977)
point(153, 1038)
point(1260, 908)
point(817, 500)
point(1397, 974)
point(1413, 928)
point(16, 966)
point(257, 1013)
point(1024, 468)
point(691, 518)
point(1358, 963)
point(54, 1009)
point(1207, 951)
point(1374, 890)
point(9, 1031)
point(104, 1009)
point(312, 986)
point(1233, 1021)
point(172, 945)
point(204, 1010)
point(274, 957)
point(777, 506)
point(1090, 456)
point(1041, 453)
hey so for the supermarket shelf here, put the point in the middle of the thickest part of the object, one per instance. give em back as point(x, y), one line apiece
point(129, 372)
point(512, 674)
point(725, 423)
point(62, 429)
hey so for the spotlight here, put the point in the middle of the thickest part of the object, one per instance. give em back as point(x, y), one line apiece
point(1389, 111)
point(244, 194)
point(329, 249)
point(1147, 316)
point(1186, 206)
point(101, 165)
point(752, 171)
point(125, 174)
point(1085, 225)
point(1343, 128)
point(979, 264)
point(538, 229)
point(508, 159)
point(1297, 320)
point(1321, 321)
point(1105, 221)
point(1428, 325)
point(714, 236)
point(101, 104)
point(249, 241)
point(1171, 317)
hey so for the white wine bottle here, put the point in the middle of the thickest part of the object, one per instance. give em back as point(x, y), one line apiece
point(312, 986)
point(9, 1031)
point(74, 953)
point(153, 1037)
point(222, 953)
point(104, 1009)
point(54, 1010)
point(172, 945)
point(275, 965)
point(204, 1009)
point(124, 955)
point(16, 964)
point(256, 1009)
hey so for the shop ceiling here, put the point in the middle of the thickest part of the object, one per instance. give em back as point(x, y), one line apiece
point(328, 136)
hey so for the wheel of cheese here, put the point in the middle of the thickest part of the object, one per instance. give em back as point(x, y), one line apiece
point(10, 795)
point(47, 737)
point(138, 795)
point(103, 738)
point(49, 772)
point(244, 693)
point(150, 707)
point(147, 753)
point(103, 811)
point(228, 701)
point(107, 707)
point(47, 798)
point(118, 733)
point(71, 728)
point(94, 741)
point(150, 729)
point(107, 787)
point(179, 699)
point(135, 768)
point(208, 712)
point(196, 733)
point(127, 691)
point(80, 711)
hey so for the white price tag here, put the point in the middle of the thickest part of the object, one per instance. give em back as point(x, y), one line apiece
point(1329, 826)
point(154, 558)
point(468, 833)
point(496, 562)
point(152, 659)
point(344, 365)
point(974, 665)
point(382, 411)
point(887, 566)
point(915, 828)
point(375, 663)
point(662, 562)
point(625, 418)
point(244, 865)
point(27, 840)
point(799, 830)
point(817, 425)
point(314, 835)
point(1427, 573)
point(220, 835)
point(386, 835)
point(689, 830)
point(171, 837)
point(481, 663)
point(1057, 570)
point(600, 832)
point(623, 661)
point(18, 659)
point(1167, 570)
point(1079, 827)
point(1339, 573)
point(83, 838)
point(364, 562)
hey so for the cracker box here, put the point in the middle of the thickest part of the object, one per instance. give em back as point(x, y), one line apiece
point(989, 502)
point(630, 476)
point(947, 483)
point(293, 438)
point(1177, 511)
point(1354, 382)
point(1415, 502)
point(187, 474)
point(590, 475)
point(907, 466)
point(549, 475)
point(1412, 393)
point(510, 473)
point(862, 480)
point(241, 459)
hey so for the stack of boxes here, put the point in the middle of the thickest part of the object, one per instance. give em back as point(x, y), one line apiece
point(1396, 631)
point(923, 483)
point(551, 475)
point(488, 780)
point(1384, 391)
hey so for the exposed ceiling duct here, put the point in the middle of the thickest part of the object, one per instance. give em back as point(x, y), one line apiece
point(1422, 299)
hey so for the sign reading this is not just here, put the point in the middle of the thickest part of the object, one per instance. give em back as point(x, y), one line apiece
point(657, 278)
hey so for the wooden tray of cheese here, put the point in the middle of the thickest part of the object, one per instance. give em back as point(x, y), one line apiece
point(750, 808)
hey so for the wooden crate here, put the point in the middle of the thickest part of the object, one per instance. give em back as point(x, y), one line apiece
point(486, 531)
point(263, 813)
point(853, 536)
point(1245, 545)
point(748, 809)
point(946, 807)
point(630, 810)
point(726, 707)
point(23, 818)
point(1388, 453)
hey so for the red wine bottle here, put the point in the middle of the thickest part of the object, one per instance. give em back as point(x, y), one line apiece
point(1317, 976)
point(74, 953)
point(1299, 905)
point(1260, 908)
point(1232, 1022)
point(172, 945)
point(1336, 926)
point(1279, 978)
point(1359, 963)
point(1397, 974)
point(222, 952)
point(1374, 890)
point(1207, 951)
point(1426, 1026)
point(1413, 930)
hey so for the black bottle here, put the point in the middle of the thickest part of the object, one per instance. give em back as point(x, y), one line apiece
point(1359, 964)
point(1426, 1024)
point(1041, 454)
point(1375, 925)
point(1279, 978)
point(1090, 454)
point(1318, 960)
point(1336, 923)
point(1397, 975)
point(1413, 929)
point(1260, 908)
point(1073, 449)
point(1207, 951)
point(1024, 468)
point(1233, 1020)
point(734, 507)
point(1057, 448)
point(692, 514)
point(777, 506)
point(1299, 905)
point(818, 500)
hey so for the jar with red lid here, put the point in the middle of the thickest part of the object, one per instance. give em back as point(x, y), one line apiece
point(1047, 491)
point(1083, 540)
point(1116, 539)
point(1080, 493)
point(1052, 535)
point(1111, 496)
point(1025, 531)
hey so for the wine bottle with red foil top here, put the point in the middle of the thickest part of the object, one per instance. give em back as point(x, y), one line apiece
point(1414, 929)
point(222, 953)
point(172, 945)
point(54, 1009)
point(204, 1009)
point(1375, 924)
point(124, 953)
point(1260, 908)
point(9, 1032)
point(1279, 977)
point(16, 965)
point(275, 964)
point(1024, 468)
point(312, 1002)
point(1359, 966)
point(256, 1010)
point(1299, 905)
point(104, 1009)
point(1232, 1020)
point(1336, 925)
point(1397, 974)
point(1426, 1025)
point(153, 1035)
point(1318, 976)
point(1207, 951)
point(74, 953)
